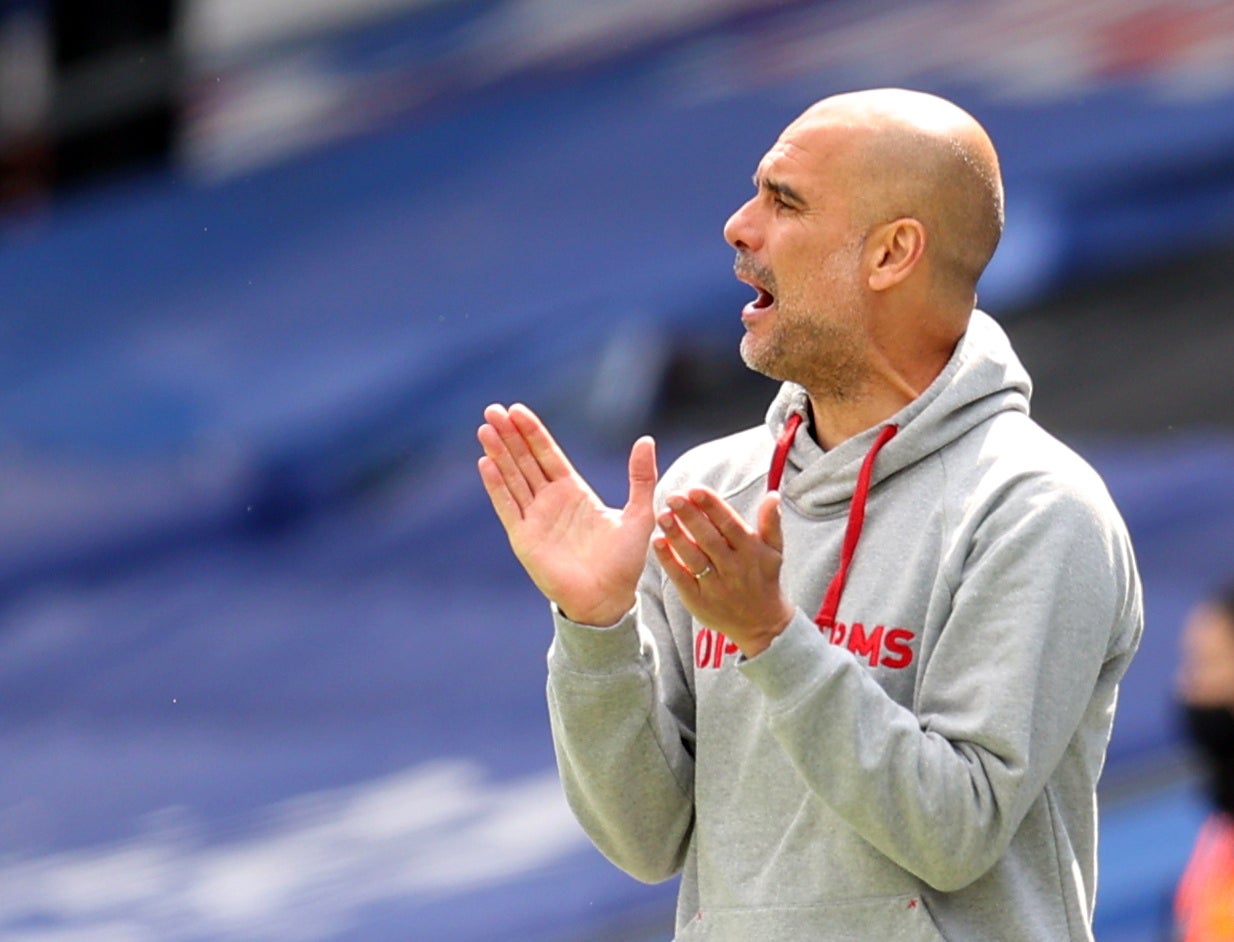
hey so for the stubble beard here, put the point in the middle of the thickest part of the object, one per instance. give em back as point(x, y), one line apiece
point(822, 354)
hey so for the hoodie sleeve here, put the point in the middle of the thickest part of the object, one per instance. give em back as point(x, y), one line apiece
point(622, 715)
point(1044, 615)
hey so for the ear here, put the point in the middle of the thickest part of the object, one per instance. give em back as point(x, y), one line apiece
point(894, 252)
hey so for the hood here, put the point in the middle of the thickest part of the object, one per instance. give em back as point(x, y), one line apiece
point(983, 378)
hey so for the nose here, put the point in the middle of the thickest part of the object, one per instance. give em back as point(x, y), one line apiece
point(740, 231)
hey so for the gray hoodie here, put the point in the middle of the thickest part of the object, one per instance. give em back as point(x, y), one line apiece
point(924, 767)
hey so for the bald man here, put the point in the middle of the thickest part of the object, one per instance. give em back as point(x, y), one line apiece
point(851, 673)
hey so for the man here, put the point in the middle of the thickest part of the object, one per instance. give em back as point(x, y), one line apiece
point(1204, 901)
point(918, 760)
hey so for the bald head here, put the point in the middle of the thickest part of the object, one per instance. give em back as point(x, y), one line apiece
point(911, 154)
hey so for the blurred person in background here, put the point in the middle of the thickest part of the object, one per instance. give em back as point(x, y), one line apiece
point(919, 759)
point(1204, 904)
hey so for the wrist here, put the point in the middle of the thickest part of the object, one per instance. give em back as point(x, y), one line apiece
point(604, 615)
point(758, 642)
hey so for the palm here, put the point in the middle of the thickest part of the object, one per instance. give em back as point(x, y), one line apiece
point(574, 546)
point(583, 555)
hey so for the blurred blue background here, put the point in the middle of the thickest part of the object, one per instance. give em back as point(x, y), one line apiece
point(267, 668)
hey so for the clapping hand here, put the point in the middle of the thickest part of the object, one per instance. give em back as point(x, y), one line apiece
point(583, 555)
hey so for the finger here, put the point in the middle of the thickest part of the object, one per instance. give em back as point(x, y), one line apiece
point(508, 509)
point(503, 463)
point(699, 523)
point(678, 573)
point(720, 514)
point(643, 476)
point(769, 522)
point(515, 442)
point(684, 548)
point(543, 447)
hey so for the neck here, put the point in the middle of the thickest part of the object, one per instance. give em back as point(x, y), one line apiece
point(836, 421)
point(884, 392)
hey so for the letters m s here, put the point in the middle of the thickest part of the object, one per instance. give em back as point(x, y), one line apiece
point(881, 646)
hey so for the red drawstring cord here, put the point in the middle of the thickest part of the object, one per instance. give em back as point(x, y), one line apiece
point(826, 617)
point(780, 458)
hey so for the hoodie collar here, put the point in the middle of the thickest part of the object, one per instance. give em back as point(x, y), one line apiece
point(982, 378)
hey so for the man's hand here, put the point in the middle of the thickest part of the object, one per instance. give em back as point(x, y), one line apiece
point(728, 574)
point(584, 556)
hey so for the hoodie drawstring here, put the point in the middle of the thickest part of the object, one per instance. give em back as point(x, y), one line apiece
point(783, 444)
point(826, 617)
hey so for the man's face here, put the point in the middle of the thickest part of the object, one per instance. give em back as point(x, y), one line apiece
point(799, 248)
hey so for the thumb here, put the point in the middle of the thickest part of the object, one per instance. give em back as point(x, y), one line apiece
point(769, 522)
point(643, 475)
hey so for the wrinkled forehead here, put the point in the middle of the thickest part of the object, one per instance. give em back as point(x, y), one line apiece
point(812, 148)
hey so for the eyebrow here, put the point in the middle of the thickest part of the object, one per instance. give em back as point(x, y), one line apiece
point(783, 190)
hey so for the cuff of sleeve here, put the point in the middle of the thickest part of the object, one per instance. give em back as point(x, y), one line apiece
point(792, 663)
point(593, 650)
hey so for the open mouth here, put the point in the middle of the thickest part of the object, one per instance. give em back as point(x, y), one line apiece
point(763, 300)
point(757, 278)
